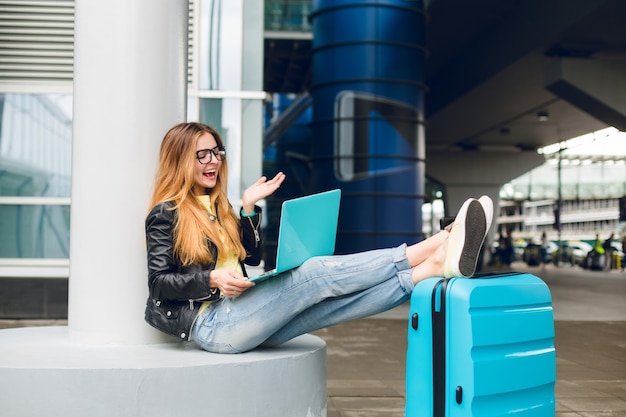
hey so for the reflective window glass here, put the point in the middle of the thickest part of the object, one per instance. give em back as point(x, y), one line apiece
point(221, 44)
point(35, 145)
point(34, 231)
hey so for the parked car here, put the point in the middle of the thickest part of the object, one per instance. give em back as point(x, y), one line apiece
point(551, 252)
point(532, 253)
point(578, 251)
point(561, 253)
point(594, 261)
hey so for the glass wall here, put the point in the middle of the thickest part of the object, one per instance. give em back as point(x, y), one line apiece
point(35, 174)
point(224, 115)
point(589, 167)
point(578, 181)
point(228, 87)
point(287, 15)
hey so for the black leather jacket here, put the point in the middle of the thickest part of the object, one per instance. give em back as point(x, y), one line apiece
point(176, 291)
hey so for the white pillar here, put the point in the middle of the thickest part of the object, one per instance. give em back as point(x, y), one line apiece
point(471, 174)
point(130, 84)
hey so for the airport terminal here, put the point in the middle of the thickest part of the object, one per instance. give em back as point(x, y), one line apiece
point(406, 106)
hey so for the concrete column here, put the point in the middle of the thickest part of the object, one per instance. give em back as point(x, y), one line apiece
point(130, 84)
point(471, 174)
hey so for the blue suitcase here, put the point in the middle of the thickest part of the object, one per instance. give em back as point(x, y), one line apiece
point(481, 347)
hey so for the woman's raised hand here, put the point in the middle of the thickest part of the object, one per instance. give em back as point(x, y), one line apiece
point(259, 190)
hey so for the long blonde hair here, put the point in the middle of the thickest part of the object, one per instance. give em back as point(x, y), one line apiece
point(175, 182)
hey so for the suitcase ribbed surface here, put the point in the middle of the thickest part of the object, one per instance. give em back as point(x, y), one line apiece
point(499, 357)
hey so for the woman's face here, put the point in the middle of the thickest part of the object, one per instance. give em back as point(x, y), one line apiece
point(207, 165)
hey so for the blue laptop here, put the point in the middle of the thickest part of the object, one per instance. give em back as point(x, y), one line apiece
point(308, 228)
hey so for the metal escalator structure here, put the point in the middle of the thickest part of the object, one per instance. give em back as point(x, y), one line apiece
point(286, 119)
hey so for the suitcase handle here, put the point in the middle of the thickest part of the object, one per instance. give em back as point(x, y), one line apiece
point(414, 321)
point(459, 394)
point(494, 274)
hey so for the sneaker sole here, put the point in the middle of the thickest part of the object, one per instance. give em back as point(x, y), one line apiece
point(475, 221)
point(464, 257)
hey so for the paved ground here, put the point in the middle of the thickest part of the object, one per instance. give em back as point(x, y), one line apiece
point(366, 358)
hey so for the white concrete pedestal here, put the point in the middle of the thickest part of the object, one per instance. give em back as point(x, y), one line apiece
point(43, 374)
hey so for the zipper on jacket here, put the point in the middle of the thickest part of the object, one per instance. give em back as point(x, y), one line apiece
point(202, 299)
point(255, 229)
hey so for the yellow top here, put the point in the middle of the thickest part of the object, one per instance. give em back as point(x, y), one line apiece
point(224, 260)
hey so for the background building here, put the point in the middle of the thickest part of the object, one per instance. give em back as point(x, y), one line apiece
point(585, 176)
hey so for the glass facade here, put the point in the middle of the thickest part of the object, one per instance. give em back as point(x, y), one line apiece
point(35, 145)
point(230, 81)
point(288, 15)
point(35, 174)
point(593, 181)
point(590, 167)
point(224, 115)
point(587, 174)
point(34, 231)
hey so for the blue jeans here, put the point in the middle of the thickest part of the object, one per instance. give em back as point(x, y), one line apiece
point(324, 291)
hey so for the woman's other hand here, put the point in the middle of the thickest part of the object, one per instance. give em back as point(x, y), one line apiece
point(259, 190)
point(230, 283)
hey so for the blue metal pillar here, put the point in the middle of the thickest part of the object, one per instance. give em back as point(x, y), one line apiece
point(368, 112)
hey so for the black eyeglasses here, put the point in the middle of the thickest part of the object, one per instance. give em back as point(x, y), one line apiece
point(205, 156)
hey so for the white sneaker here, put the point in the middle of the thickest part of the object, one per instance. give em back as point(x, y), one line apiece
point(466, 238)
point(488, 209)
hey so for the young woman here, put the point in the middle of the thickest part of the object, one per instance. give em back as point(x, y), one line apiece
point(197, 246)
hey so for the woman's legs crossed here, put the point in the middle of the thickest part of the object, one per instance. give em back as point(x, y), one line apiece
point(427, 258)
point(420, 251)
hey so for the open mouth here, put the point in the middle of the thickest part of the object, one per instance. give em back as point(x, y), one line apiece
point(212, 174)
